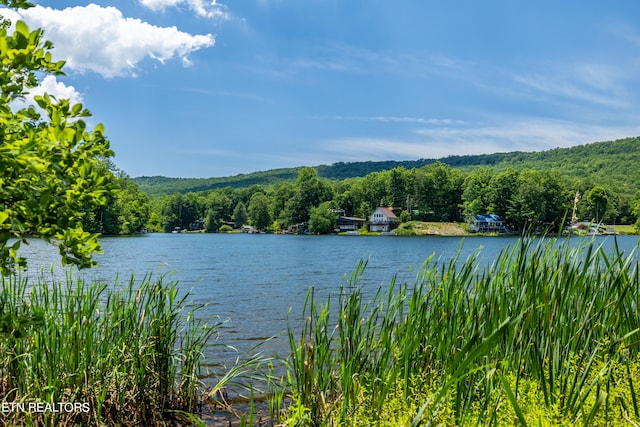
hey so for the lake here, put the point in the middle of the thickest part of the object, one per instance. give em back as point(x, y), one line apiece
point(253, 280)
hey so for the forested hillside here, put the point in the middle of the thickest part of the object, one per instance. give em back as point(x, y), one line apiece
point(525, 189)
point(158, 185)
point(614, 163)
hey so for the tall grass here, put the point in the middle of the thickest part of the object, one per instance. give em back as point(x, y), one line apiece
point(127, 356)
point(546, 334)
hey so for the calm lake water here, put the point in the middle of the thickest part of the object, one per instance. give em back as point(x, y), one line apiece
point(252, 281)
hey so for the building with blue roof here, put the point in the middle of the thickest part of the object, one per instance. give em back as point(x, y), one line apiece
point(487, 223)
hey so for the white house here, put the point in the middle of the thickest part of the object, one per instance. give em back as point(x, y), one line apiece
point(490, 223)
point(382, 219)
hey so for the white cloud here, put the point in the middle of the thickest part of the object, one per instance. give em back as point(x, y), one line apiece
point(398, 119)
point(53, 87)
point(100, 39)
point(203, 8)
point(57, 89)
point(528, 134)
point(593, 84)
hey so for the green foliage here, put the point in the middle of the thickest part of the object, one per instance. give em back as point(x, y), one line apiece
point(477, 193)
point(597, 201)
point(240, 215)
point(259, 215)
point(127, 211)
point(274, 227)
point(50, 172)
point(308, 192)
point(432, 190)
point(322, 219)
point(181, 211)
point(16, 4)
point(534, 197)
point(160, 185)
point(218, 208)
point(132, 355)
point(405, 229)
point(540, 200)
point(545, 335)
point(439, 190)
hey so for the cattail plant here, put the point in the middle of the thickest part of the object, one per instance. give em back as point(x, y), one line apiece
point(101, 355)
point(546, 334)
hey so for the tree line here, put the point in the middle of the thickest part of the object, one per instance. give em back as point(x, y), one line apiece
point(609, 163)
point(524, 199)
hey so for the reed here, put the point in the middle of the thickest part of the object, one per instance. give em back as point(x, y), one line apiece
point(546, 334)
point(78, 353)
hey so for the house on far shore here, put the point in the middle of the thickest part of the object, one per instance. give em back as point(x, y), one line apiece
point(489, 223)
point(249, 229)
point(198, 224)
point(349, 223)
point(383, 219)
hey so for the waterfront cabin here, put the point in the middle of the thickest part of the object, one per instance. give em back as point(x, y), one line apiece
point(196, 225)
point(300, 228)
point(383, 219)
point(248, 229)
point(488, 223)
point(349, 223)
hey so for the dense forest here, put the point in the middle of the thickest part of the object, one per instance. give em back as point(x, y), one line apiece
point(527, 190)
point(611, 161)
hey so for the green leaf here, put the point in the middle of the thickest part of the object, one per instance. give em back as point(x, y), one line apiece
point(512, 399)
point(22, 28)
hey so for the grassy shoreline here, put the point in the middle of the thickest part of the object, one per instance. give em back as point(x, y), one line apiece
point(546, 335)
point(76, 353)
point(450, 229)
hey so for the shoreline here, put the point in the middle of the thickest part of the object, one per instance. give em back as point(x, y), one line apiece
point(424, 228)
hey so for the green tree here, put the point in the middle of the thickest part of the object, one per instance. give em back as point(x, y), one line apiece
point(279, 196)
point(50, 168)
point(218, 208)
point(192, 209)
point(127, 211)
point(635, 210)
point(405, 216)
point(375, 188)
point(322, 219)
point(476, 195)
point(501, 189)
point(597, 201)
point(349, 195)
point(274, 227)
point(309, 192)
point(259, 211)
point(182, 210)
point(364, 210)
point(441, 187)
point(172, 212)
point(398, 186)
point(540, 201)
point(240, 215)
point(155, 221)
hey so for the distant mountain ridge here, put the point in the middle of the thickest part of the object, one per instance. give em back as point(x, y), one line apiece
point(616, 162)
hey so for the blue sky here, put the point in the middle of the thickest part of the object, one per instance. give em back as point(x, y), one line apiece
point(195, 88)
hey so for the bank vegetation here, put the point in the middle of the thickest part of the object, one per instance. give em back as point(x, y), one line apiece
point(547, 334)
